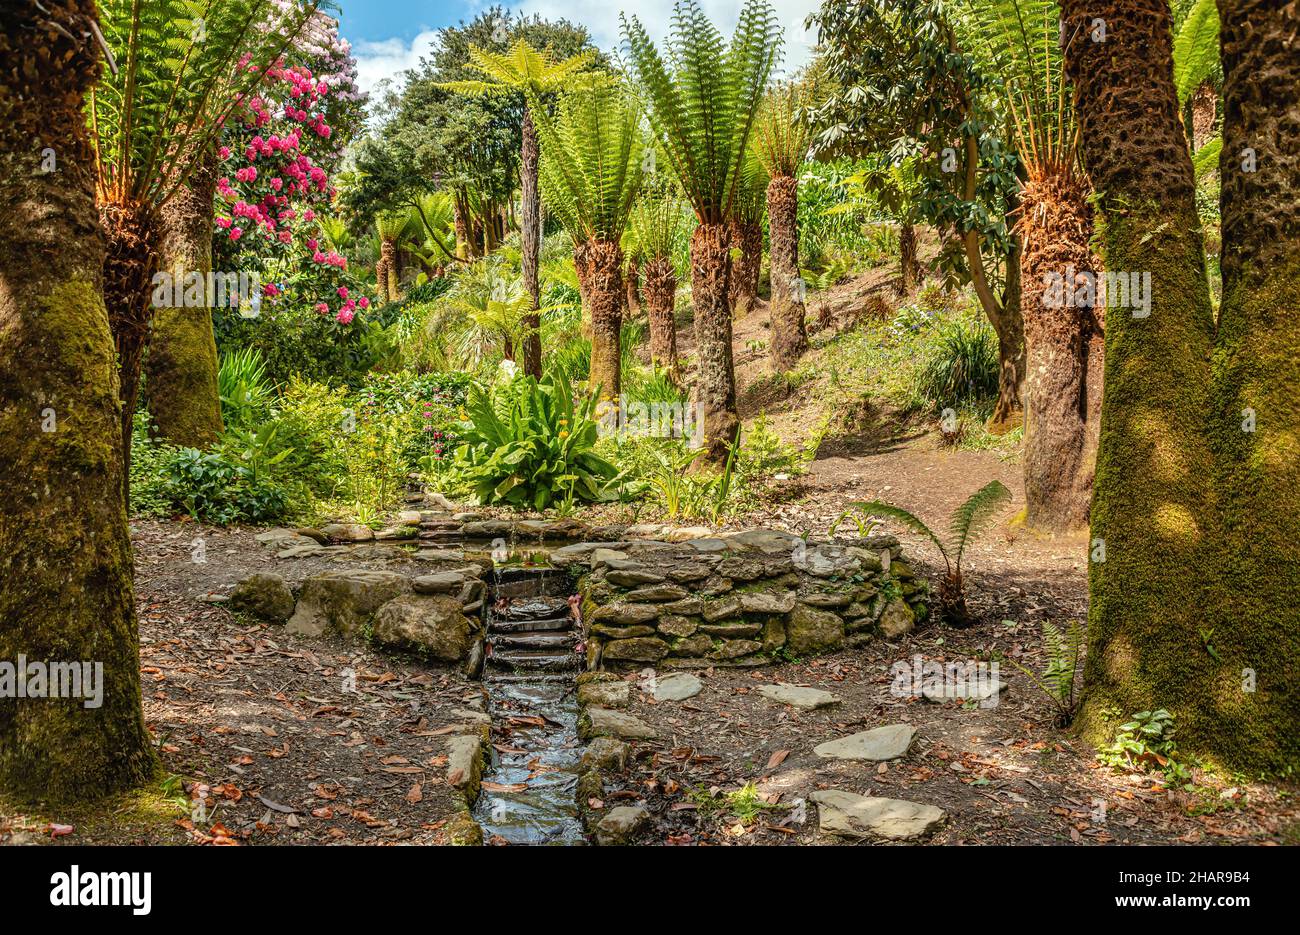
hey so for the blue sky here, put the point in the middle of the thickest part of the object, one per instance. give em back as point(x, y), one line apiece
point(389, 36)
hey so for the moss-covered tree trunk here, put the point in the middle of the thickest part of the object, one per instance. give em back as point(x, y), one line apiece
point(1155, 543)
point(530, 240)
point(747, 262)
point(600, 266)
point(715, 374)
point(907, 257)
point(65, 555)
point(789, 334)
point(1255, 396)
point(1055, 229)
point(660, 304)
point(460, 221)
point(181, 362)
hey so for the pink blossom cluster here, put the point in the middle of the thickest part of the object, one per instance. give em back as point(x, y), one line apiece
point(274, 173)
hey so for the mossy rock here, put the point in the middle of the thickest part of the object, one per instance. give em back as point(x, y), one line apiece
point(265, 596)
point(811, 630)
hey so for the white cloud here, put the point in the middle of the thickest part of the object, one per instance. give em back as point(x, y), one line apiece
point(388, 58)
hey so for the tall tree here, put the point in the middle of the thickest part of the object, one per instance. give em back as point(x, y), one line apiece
point(1194, 574)
point(590, 174)
point(67, 595)
point(536, 75)
point(183, 71)
point(781, 141)
point(701, 104)
point(1063, 324)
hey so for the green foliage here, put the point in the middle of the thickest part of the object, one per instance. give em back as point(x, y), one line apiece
point(967, 521)
point(1064, 652)
point(243, 386)
point(702, 96)
point(782, 133)
point(1144, 742)
point(962, 364)
point(591, 157)
point(213, 487)
point(655, 226)
point(178, 77)
point(527, 444)
point(1196, 48)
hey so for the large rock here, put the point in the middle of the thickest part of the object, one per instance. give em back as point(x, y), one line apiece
point(657, 593)
point(767, 602)
point(860, 816)
point(620, 825)
point(808, 698)
point(443, 582)
point(264, 596)
point(676, 687)
point(764, 540)
point(675, 625)
point(632, 577)
point(811, 630)
point(605, 694)
point(432, 625)
point(465, 765)
point(344, 601)
point(625, 615)
point(897, 619)
point(348, 532)
point(604, 753)
point(637, 649)
point(876, 745)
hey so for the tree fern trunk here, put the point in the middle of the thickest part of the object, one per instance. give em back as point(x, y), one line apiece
point(381, 280)
point(715, 375)
point(64, 544)
point(181, 365)
point(660, 302)
point(1056, 225)
point(388, 251)
point(1256, 384)
point(601, 263)
point(789, 334)
point(1010, 329)
point(747, 238)
point(907, 257)
point(129, 265)
point(632, 297)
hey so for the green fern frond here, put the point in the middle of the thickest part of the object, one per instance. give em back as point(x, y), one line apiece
point(1196, 48)
point(969, 518)
point(897, 513)
point(782, 134)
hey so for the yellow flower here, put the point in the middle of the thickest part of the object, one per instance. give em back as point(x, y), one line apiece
point(564, 434)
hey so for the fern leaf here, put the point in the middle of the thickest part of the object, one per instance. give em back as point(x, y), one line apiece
point(969, 518)
point(1196, 48)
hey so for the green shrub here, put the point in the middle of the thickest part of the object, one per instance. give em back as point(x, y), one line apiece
point(245, 390)
point(213, 488)
point(1145, 742)
point(528, 445)
point(961, 365)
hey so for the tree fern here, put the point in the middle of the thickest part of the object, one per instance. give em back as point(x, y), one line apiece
point(655, 225)
point(590, 166)
point(973, 515)
point(184, 66)
point(781, 133)
point(702, 97)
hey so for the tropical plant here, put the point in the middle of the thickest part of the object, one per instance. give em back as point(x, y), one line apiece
point(245, 389)
point(390, 227)
point(966, 522)
point(528, 445)
point(1064, 652)
point(590, 173)
point(781, 139)
point(961, 364)
point(701, 102)
point(746, 227)
point(1021, 41)
point(178, 70)
point(533, 73)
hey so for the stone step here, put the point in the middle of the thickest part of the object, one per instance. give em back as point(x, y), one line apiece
point(533, 659)
point(529, 626)
point(554, 640)
point(534, 608)
point(531, 678)
point(553, 585)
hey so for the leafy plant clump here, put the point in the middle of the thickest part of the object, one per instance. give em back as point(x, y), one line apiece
point(528, 444)
point(1146, 742)
point(1064, 651)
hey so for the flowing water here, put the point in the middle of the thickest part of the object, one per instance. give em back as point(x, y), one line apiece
point(530, 784)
